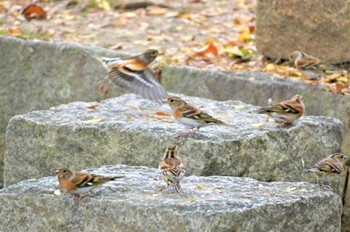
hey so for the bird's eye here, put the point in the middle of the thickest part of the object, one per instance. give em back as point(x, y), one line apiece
point(64, 171)
point(171, 100)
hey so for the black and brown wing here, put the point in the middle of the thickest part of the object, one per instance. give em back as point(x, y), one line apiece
point(136, 78)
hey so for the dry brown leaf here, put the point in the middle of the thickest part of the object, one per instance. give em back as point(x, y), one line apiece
point(199, 187)
point(158, 119)
point(161, 113)
point(209, 49)
point(92, 106)
point(34, 11)
point(246, 195)
point(14, 31)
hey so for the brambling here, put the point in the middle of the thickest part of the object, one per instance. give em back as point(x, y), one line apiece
point(309, 65)
point(172, 168)
point(285, 112)
point(191, 116)
point(78, 183)
point(132, 74)
point(331, 166)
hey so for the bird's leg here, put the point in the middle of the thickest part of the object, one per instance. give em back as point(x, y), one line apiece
point(188, 134)
point(80, 197)
point(104, 87)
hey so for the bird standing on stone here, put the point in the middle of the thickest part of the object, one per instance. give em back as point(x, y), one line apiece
point(191, 116)
point(78, 183)
point(133, 74)
point(309, 65)
point(285, 112)
point(329, 167)
point(172, 169)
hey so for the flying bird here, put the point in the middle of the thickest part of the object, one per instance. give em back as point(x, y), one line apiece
point(132, 74)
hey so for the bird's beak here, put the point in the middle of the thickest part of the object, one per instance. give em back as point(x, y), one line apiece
point(56, 172)
point(164, 101)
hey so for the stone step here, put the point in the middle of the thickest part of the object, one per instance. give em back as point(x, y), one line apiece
point(213, 203)
point(255, 88)
point(128, 130)
point(39, 74)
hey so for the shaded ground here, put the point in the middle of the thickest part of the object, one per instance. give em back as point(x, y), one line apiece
point(201, 33)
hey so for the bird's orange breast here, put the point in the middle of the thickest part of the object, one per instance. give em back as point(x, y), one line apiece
point(67, 185)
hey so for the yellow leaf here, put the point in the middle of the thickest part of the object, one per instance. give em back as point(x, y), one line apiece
point(222, 116)
point(270, 67)
point(343, 79)
point(200, 187)
point(94, 120)
point(244, 36)
point(258, 125)
point(219, 190)
point(291, 189)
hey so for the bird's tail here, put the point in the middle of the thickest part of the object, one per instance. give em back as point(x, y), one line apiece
point(115, 177)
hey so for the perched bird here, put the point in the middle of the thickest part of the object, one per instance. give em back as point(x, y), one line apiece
point(285, 112)
point(132, 74)
point(78, 183)
point(191, 116)
point(172, 168)
point(309, 65)
point(329, 167)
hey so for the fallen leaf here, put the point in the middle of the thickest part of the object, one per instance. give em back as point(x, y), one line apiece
point(268, 194)
point(94, 120)
point(258, 125)
point(270, 67)
point(209, 49)
point(199, 187)
point(156, 10)
point(291, 189)
point(223, 116)
point(251, 28)
point(219, 190)
point(161, 113)
point(92, 106)
point(238, 107)
point(243, 37)
point(246, 195)
point(14, 31)
point(34, 11)
point(129, 117)
point(158, 119)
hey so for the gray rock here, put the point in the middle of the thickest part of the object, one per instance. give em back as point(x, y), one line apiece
point(38, 75)
point(319, 28)
point(213, 203)
point(256, 88)
point(129, 132)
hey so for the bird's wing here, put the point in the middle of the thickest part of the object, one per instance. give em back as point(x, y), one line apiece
point(139, 80)
point(287, 107)
point(82, 180)
point(308, 62)
point(173, 169)
point(192, 112)
point(332, 165)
